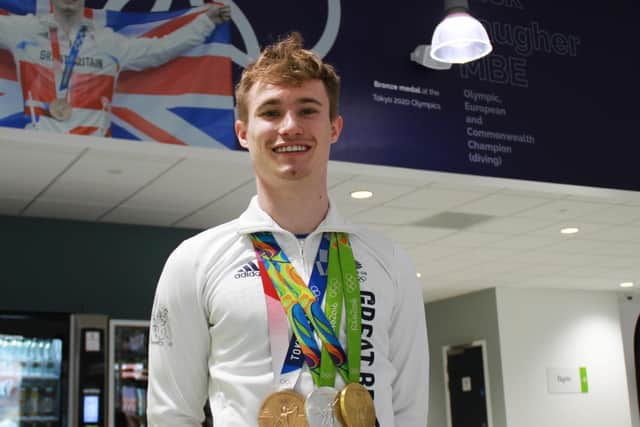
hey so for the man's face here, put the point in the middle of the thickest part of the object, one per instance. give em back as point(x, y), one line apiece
point(68, 7)
point(288, 131)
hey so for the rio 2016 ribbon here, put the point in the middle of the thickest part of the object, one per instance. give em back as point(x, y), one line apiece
point(301, 305)
point(343, 283)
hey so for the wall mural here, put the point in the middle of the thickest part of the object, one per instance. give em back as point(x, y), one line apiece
point(552, 102)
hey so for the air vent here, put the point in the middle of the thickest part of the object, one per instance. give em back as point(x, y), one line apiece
point(453, 220)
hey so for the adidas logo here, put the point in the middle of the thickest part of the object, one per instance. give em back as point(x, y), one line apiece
point(248, 270)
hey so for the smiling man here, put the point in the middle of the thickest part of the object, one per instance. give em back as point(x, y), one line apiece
point(289, 314)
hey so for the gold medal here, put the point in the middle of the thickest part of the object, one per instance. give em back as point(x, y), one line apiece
point(60, 109)
point(283, 409)
point(356, 407)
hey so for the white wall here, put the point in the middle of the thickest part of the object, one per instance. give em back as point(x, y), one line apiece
point(544, 328)
point(462, 320)
point(629, 312)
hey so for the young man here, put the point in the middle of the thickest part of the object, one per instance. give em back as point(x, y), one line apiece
point(219, 330)
point(68, 67)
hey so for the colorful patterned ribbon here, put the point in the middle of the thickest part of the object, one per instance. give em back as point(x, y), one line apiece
point(304, 310)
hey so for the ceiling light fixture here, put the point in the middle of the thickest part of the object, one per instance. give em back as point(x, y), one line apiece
point(361, 194)
point(459, 38)
point(569, 230)
point(418, 275)
point(626, 285)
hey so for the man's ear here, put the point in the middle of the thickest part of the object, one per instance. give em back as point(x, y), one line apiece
point(241, 133)
point(336, 129)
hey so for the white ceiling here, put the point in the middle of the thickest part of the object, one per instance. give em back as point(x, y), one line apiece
point(518, 244)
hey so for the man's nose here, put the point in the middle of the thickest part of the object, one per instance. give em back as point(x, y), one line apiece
point(290, 124)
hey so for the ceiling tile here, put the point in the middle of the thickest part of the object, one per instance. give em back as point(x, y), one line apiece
point(475, 256)
point(12, 206)
point(591, 247)
point(42, 163)
point(222, 210)
point(523, 242)
point(65, 210)
point(561, 210)
point(538, 257)
point(586, 230)
point(349, 208)
point(551, 195)
point(613, 214)
point(617, 233)
point(393, 216)
point(435, 199)
point(192, 184)
point(106, 177)
point(511, 225)
point(132, 215)
point(416, 234)
point(381, 192)
point(467, 183)
point(501, 205)
point(528, 270)
point(335, 178)
point(568, 282)
point(470, 239)
point(590, 270)
point(432, 252)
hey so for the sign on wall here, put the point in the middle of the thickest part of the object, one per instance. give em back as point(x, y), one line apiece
point(567, 380)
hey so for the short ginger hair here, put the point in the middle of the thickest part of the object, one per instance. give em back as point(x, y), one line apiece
point(287, 63)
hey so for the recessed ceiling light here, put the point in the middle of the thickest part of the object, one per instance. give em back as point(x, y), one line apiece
point(418, 275)
point(361, 194)
point(570, 230)
point(626, 285)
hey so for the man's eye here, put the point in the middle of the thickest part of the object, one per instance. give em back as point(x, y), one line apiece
point(308, 111)
point(270, 113)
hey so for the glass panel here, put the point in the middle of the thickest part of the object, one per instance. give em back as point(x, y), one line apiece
point(130, 376)
point(30, 386)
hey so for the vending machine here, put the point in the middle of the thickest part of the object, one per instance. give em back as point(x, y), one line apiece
point(53, 370)
point(128, 371)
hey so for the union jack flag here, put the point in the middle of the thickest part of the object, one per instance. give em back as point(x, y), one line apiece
point(186, 101)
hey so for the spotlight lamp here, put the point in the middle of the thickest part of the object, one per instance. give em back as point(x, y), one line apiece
point(459, 38)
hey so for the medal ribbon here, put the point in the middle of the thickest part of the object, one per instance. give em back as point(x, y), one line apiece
point(70, 62)
point(305, 313)
point(302, 307)
point(343, 282)
point(317, 285)
point(288, 364)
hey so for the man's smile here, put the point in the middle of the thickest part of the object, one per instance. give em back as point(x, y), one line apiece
point(290, 149)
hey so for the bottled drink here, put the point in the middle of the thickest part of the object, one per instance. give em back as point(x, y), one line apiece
point(47, 401)
point(34, 400)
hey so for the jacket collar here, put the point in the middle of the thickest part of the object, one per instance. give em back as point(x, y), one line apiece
point(254, 219)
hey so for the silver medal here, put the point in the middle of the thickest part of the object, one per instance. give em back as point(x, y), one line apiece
point(319, 407)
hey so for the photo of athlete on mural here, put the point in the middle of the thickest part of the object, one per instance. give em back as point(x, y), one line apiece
point(68, 65)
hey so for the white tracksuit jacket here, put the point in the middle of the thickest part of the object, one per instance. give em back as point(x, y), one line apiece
point(209, 333)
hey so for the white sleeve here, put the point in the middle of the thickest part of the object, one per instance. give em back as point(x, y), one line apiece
point(11, 30)
point(138, 53)
point(178, 346)
point(408, 348)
